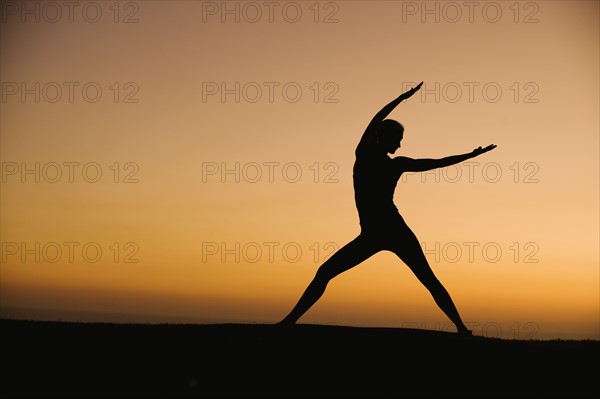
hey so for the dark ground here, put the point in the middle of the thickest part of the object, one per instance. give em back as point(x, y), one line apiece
point(53, 359)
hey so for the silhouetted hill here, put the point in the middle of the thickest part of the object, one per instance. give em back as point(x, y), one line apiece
point(55, 359)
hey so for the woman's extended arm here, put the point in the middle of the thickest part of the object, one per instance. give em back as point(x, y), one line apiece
point(385, 111)
point(369, 134)
point(423, 164)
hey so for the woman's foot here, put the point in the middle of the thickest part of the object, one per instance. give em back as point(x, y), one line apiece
point(285, 323)
point(465, 332)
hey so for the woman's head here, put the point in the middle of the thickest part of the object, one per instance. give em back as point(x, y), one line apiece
point(389, 135)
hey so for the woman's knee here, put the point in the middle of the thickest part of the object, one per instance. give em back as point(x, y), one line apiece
point(324, 273)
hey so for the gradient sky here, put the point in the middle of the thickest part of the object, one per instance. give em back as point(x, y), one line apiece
point(192, 100)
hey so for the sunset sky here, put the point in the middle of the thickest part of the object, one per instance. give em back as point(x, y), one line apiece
point(192, 161)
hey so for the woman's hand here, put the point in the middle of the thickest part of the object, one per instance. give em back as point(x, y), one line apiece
point(412, 91)
point(478, 151)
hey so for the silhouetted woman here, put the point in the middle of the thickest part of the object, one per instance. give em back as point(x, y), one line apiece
point(382, 227)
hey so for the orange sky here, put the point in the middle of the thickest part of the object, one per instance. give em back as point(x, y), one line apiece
point(172, 102)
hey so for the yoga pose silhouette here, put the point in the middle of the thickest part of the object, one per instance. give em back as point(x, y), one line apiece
point(382, 227)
